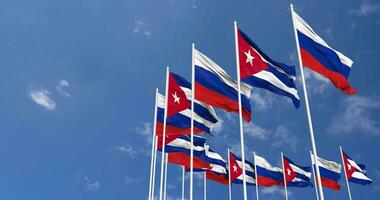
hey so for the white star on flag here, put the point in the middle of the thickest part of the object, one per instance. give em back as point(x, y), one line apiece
point(289, 172)
point(235, 168)
point(349, 166)
point(176, 98)
point(249, 57)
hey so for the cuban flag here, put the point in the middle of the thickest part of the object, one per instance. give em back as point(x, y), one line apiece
point(295, 175)
point(329, 171)
point(215, 87)
point(267, 175)
point(178, 123)
point(355, 173)
point(236, 170)
point(258, 70)
point(317, 55)
point(179, 152)
point(218, 171)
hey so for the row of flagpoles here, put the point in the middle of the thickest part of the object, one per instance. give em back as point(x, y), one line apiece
point(188, 107)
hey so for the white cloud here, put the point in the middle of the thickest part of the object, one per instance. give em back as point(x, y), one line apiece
point(366, 8)
point(262, 100)
point(316, 83)
point(218, 126)
point(91, 185)
point(129, 180)
point(356, 116)
point(283, 137)
point(127, 149)
point(41, 97)
point(275, 191)
point(142, 27)
point(62, 84)
point(256, 131)
point(146, 130)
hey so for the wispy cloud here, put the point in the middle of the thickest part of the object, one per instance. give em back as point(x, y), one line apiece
point(130, 180)
point(262, 100)
point(283, 137)
point(218, 126)
point(366, 8)
point(42, 98)
point(146, 130)
point(142, 27)
point(256, 131)
point(275, 191)
point(356, 116)
point(316, 82)
point(62, 85)
point(91, 185)
point(127, 149)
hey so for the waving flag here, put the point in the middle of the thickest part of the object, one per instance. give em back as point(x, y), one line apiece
point(295, 175)
point(258, 70)
point(218, 171)
point(267, 175)
point(330, 173)
point(236, 170)
point(355, 173)
point(317, 55)
point(215, 87)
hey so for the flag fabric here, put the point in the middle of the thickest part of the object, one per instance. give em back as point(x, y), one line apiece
point(215, 87)
point(267, 175)
point(295, 175)
point(317, 55)
point(218, 171)
point(355, 173)
point(329, 171)
point(258, 70)
point(249, 170)
point(177, 100)
point(179, 152)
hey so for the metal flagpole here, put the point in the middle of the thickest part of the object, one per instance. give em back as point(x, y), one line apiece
point(164, 133)
point(240, 111)
point(315, 180)
point(153, 145)
point(192, 121)
point(314, 148)
point(204, 186)
point(154, 163)
point(166, 174)
point(229, 175)
point(284, 171)
point(183, 182)
point(257, 180)
point(345, 173)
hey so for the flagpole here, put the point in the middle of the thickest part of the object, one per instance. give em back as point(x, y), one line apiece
point(229, 175)
point(192, 120)
point(315, 180)
point(257, 180)
point(164, 133)
point(283, 170)
point(314, 148)
point(166, 174)
point(153, 144)
point(240, 112)
point(345, 172)
point(204, 186)
point(183, 182)
point(154, 163)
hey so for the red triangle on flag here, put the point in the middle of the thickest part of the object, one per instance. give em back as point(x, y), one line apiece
point(234, 169)
point(177, 100)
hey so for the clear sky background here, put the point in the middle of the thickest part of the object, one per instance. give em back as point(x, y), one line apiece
point(77, 85)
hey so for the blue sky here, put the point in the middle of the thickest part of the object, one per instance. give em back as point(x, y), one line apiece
point(77, 88)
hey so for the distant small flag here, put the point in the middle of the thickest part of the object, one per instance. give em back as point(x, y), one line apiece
point(330, 173)
point(236, 170)
point(216, 88)
point(317, 55)
point(355, 173)
point(258, 70)
point(296, 176)
point(267, 175)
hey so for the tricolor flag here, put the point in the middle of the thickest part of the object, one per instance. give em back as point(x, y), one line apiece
point(329, 171)
point(355, 173)
point(267, 175)
point(218, 171)
point(236, 170)
point(179, 123)
point(215, 87)
point(258, 70)
point(179, 152)
point(317, 55)
point(295, 175)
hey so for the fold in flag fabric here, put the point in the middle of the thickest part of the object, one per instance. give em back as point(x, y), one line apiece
point(179, 152)
point(329, 171)
point(258, 70)
point(215, 87)
point(267, 175)
point(295, 175)
point(249, 171)
point(317, 55)
point(355, 173)
point(218, 171)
